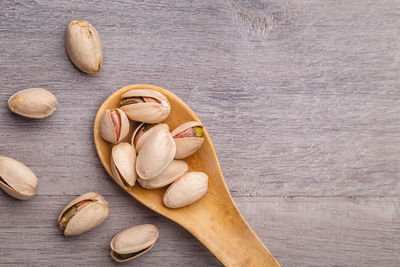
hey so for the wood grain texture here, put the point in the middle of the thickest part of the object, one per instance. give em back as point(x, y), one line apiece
point(301, 98)
point(300, 232)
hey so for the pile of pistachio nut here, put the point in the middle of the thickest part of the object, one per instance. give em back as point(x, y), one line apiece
point(153, 157)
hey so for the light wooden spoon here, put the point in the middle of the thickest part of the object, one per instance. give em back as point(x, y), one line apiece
point(214, 219)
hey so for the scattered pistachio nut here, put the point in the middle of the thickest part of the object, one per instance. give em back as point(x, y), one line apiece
point(83, 214)
point(16, 179)
point(123, 160)
point(36, 103)
point(188, 138)
point(156, 153)
point(114, 125)
point(133, 242)
point(145, 105)
point(141, 133)
point(176, 169)
point(83, 46)
point(186, 190)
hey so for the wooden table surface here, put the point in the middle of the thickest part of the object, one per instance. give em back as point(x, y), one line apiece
point(301, 99)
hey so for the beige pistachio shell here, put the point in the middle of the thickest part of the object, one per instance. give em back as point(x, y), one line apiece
point(145, 134)
point(83, 46)
point(186, 146)
point(36, 103)
point(187, 189)
point(86, 196)
point(123, 161)
point(133, 242)
point(156, 153)
point(176, 169)
point(150, 112)
point(87, 218)
point(108, 130)
point(16, 179)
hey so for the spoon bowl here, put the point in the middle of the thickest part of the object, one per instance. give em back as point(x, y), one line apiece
point(214, 220)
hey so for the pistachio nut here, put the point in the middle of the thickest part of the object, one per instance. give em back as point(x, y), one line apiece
point(36, 103)
point(187, 189)
point(176, 169)
point(83, 46)
point(145, 105)
point(123, 160)
point(141, 133)
point(16, 179)
point(83, 214)
point(156, 153)
point(133, 242)
point(114, 125)
point(188, 138)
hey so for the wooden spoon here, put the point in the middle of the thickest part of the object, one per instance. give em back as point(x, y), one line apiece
point(214, 219)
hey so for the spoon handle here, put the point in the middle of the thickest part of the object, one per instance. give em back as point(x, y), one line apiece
point(229, 237)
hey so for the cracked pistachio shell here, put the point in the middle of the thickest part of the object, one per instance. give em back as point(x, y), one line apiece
point(186, 146)
point(176, 169)
point(123, 161)
point(16, 179)
point(36, 103)
point(187, 189)
point(156, 153)
point(150, 112)
point(108, 129)
point(133, 242)
point(83, 46)
point(146, 134)
point(87, 218)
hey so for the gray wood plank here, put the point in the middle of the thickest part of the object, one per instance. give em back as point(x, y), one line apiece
point(33, 237)
point(329, 231)
point(300, 98)
point(306, 106)
point(298, 231)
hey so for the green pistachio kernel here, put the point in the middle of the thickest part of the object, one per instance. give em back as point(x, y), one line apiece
point(199, 132)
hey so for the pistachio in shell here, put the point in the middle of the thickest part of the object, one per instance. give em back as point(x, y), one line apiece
point(156, 153)
point(188, 138)
point(114, 125)
point(16, 179)
point(133, 242)
point(83, 46)
point(186, 190)
point(35, 103)
point(141, 133)
point(83, 214)
point(123, 161)
point(176, 169)
point(145, 105)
